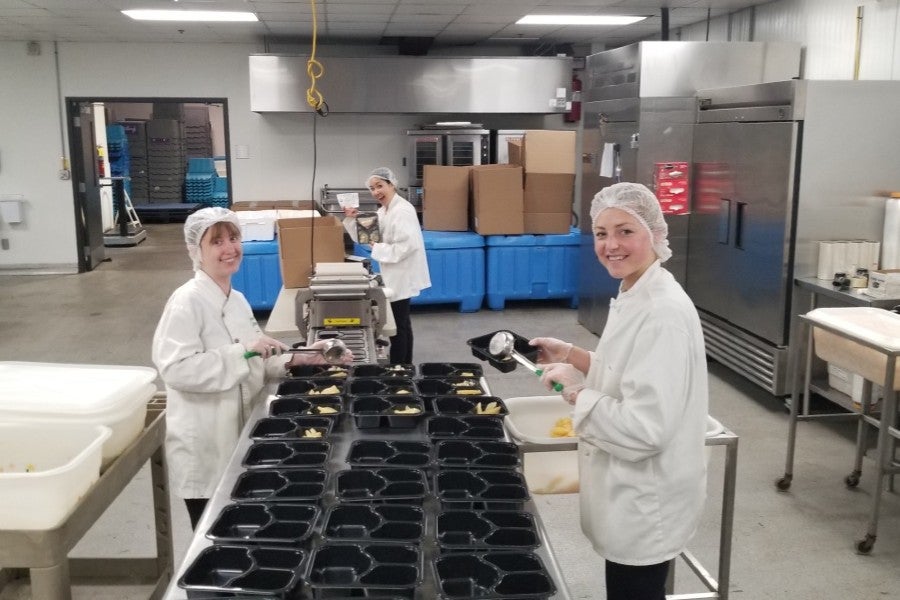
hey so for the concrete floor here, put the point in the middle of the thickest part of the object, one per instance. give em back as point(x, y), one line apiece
point(797, 545)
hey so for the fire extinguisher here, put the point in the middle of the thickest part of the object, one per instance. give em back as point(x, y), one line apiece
point(574, 113)
point(101, 164)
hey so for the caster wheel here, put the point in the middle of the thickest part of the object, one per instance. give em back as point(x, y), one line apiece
point(852, 480)
point(864, 546)
point(784, 483)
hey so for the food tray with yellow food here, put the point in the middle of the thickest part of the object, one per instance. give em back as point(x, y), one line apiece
point(427, 370)
point(471, 427)
point(316, 406)
point(475, 454)
point(395, 412)
point(287, 454)
point(450, 386)
point(369, 386)
point(386, 371)
point(280, 485)
point(382, 485)
point(319, 371)
point(323, 386)
point(275, 428)
point(389, 453)
point(462, 405)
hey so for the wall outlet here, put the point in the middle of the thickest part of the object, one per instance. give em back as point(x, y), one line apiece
point(4, 244)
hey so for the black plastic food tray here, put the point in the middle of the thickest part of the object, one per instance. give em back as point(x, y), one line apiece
point(280, 428)
point(383, 371)
point(389, 453)
point(450, 370)
point(380, 411)
point(302, 406)
point(486, 530)
point(375, 523)
point(480, 345)
point(388, 485)
point(466, 387)
point(264, 523)
point(462, 405)
point(230, 571)
point(466, 427)
point(387, 386)
point(280, 485)
point(497, 489)
point(310, 386)
point(286, 454)
point(497, 575)
point(476, 454)
point(316, 371)
point(357, 570)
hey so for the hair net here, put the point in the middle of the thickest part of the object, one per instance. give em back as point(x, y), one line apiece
point(198, 222)
point(383, 173)
point(638, 201)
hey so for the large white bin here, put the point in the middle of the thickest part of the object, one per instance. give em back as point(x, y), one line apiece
point(115, 396)
point(45, 469)
point(529, 420)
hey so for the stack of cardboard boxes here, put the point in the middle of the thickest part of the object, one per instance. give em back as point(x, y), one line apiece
point(548, 162)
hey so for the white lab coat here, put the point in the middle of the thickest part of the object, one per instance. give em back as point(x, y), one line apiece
point(641, 420)
point(198, 349)
point(401, 254)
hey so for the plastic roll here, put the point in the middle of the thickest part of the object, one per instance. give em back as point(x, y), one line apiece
point(826, 259)
point(873, 251)
point(854, 251)
point(890, 240)
point(839, 258)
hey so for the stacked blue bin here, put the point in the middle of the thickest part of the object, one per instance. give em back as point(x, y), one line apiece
point(456, 266)
point(220, 192)
point(198, 182)
point(119, 155)
point(532, 267)
point(259, 277)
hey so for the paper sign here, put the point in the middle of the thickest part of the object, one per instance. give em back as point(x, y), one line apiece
point(608, 160)
point(348, 200)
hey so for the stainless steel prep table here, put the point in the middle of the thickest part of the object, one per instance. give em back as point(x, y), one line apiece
point(340, 440)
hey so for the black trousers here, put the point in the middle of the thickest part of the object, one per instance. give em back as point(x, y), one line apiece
point(628, 582)
point(195, 507)
point(402, 343)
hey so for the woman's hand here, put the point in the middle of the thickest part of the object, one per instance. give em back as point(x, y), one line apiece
point(350, 211)
point(266, 347)
point(551, 350)
point(568, 376)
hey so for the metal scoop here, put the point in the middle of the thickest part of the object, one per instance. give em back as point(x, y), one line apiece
point(332, 351)
point(503, 346)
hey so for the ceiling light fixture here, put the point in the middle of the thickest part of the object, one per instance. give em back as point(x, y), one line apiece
point(578, 20)
point(189, 15)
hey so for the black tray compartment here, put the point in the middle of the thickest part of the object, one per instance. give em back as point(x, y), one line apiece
point(443, 370)
point(287, 454)
point(460, 489)
point(311, 386)
point(389, 453)
point(492, 576)
point(307, 406)
point(370, 412)
point(481, 343)
point(291, 428)
point(280, 485)
point(480, 427)
point(344, 570)
point(476, 454)
point(381, 386)
point(465, 405)
point(383, 371)
point(486, 530)
point(319, 371)
point(375, 523)
point(232, 571)
point(389, 485)
point(466, 387)
point(264, 523)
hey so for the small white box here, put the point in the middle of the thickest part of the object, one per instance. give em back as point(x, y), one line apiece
point(884, 283)
point(257, 225)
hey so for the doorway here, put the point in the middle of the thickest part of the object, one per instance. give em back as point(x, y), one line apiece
point(161, 137)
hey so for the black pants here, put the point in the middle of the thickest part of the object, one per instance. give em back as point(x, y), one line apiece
point(402, 343)
point(195, 508)
point(627, 582)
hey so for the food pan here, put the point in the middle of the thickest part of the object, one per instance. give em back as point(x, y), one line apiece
point(383, 371)
point(317, 371)
point(476, 454)
point(388, 485)
point(286, 454)
point(280, 485)
point(389, 453)
point(327, 386)
point(480, 345)
point(461, 405)
point(375, 523)
point(450, 386)
point(264, 523)
point(486, 530)
point(231, 571)
point(386, 411)
point(268, 428)
point(461, 489)
point(467, 427)
point(302, 406)
point(450, 370)
point(373, 386)
point(358, 570)
point(492, 576)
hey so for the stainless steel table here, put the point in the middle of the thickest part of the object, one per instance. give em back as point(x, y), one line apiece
point(340, 441)
point(45, 552)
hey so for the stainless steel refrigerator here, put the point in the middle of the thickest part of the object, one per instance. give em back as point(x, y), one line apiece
point(777, 167)
point(639, 111)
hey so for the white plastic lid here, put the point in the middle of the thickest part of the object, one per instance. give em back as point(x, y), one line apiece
point(874, 325)
point(51, 389)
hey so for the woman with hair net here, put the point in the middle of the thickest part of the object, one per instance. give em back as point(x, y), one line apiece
point(400, 254)
point(200, 348)
point(640, 402)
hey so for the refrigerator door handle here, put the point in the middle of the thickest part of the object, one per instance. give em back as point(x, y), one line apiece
point(739, 215)
point(724, 224)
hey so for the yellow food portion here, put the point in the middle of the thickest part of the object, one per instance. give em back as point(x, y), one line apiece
point(407, 410)
point(325, 410)
point(332, 389)
point(396, 368)
point(467, 374)
point(468, 392)
point(492, 408)
point(312, 433)
point(402, 392)
point(465, 383)
point(562, 428)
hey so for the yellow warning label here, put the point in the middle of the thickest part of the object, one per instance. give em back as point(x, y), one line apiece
point(338, 321)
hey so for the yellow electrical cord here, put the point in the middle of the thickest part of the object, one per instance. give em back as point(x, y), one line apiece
point(315, 70)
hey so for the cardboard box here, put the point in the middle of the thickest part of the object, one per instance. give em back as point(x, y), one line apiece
point(549, 192)
point(272, 205)
point(884, 283)
point(515, 150)
point(445, 198)
point(498, 200)
point(304, 242)
point(548, 222)
point(548, 151)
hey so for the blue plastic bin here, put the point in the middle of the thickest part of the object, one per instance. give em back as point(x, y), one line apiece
point(259, 277)
point(532, 267)
point(456, 266)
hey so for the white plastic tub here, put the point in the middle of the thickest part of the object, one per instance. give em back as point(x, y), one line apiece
point(45, 469)
point(529, 420)
point(115, 396)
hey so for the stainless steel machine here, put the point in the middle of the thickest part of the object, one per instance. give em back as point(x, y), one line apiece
point(347, 302)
